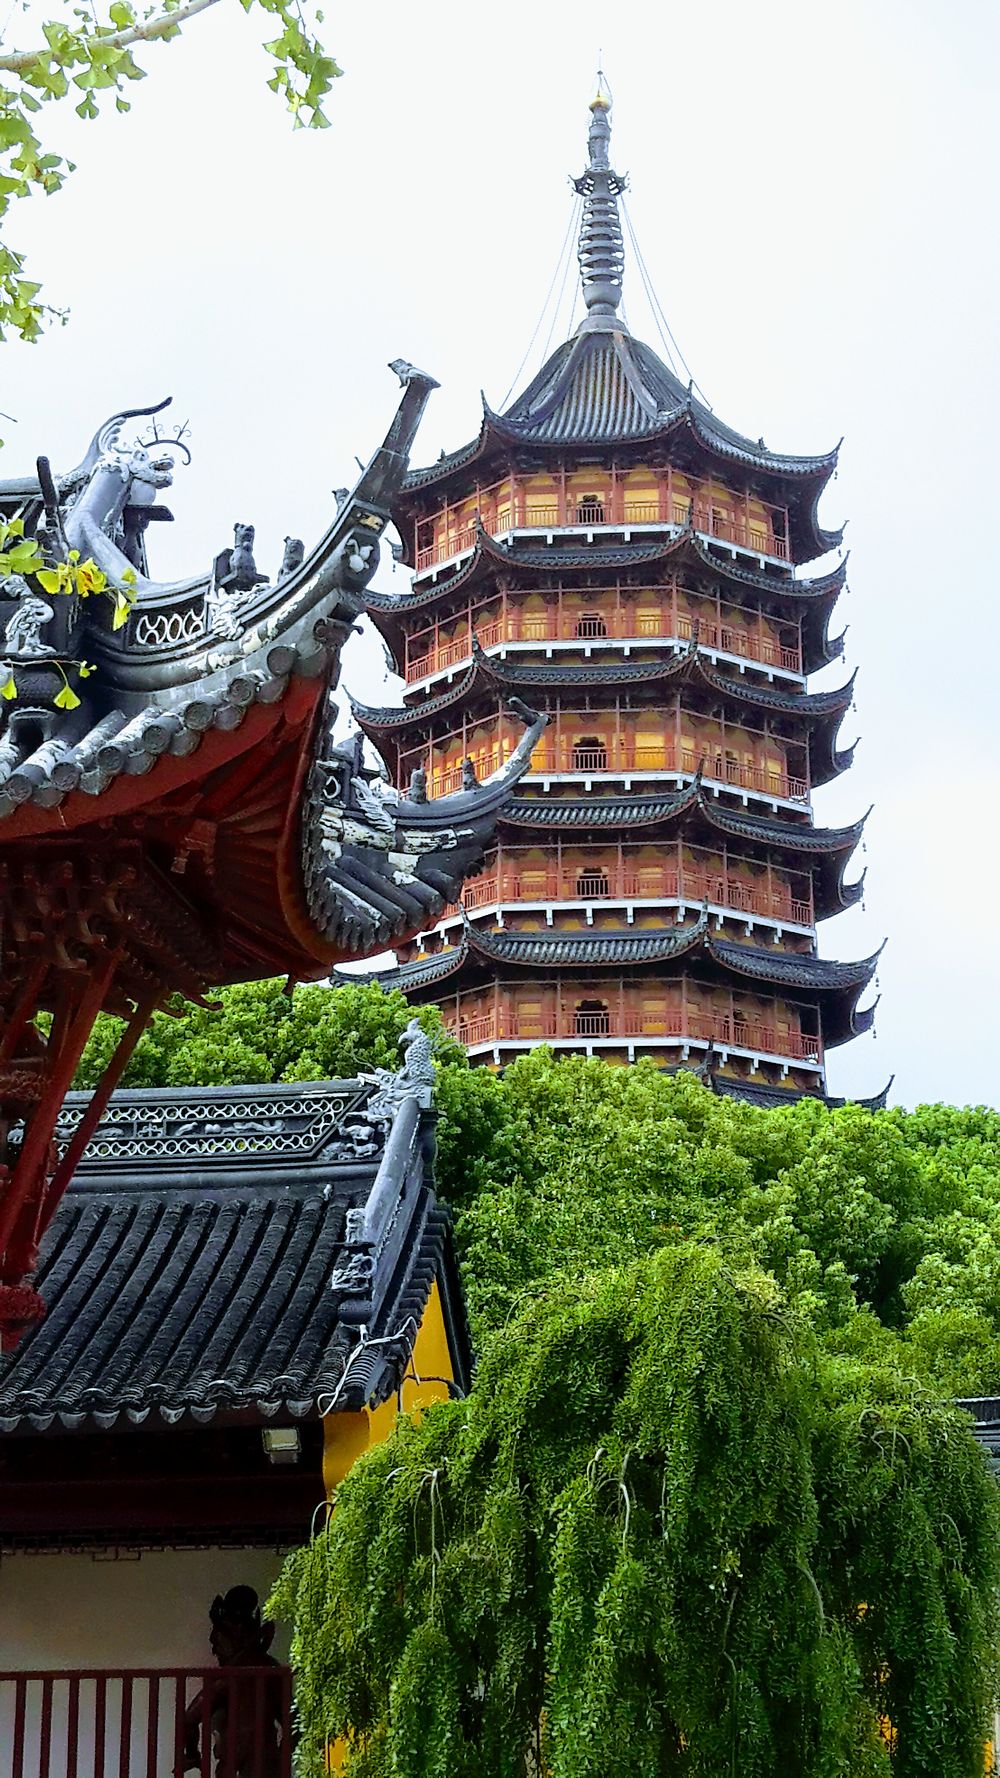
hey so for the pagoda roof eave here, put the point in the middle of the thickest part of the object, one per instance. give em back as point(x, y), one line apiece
point(643, 811)
point(838, 986)
point(830, 849)
point(770, 1096)
point(688, 664)
point(813, 598)
point(607, 387)
point(520, 558)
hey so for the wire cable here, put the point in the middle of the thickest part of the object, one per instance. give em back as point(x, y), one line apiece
point(545, 305)
point(573, 223)
point(662, 324)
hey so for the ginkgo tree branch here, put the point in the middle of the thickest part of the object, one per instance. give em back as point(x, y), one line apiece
point(84, 60)
point(17, 60)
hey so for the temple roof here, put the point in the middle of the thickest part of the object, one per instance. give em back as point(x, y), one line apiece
point(837, 986)
point(770, 1096)
point(686, 664)
point(606, 388)
point(195, 658)
point(683, 547)
point(220, 1252)
point(201, 727)
point(610, 387)
point(645, 811)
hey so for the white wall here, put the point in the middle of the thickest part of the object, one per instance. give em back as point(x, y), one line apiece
point(96, 1611)
point(145, 1611)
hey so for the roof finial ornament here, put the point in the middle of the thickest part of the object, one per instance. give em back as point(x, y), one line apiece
point(601, 250)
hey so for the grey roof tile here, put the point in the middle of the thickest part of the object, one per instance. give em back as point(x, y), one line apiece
point(190, 1267)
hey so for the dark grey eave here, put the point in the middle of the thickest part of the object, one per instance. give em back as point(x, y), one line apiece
point(836, 986)
point(191, 1272)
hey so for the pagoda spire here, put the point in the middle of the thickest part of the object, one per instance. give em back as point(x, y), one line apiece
point(601, 250)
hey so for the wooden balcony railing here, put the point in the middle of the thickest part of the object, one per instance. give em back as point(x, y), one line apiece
point(220, 1722)
point(621, 758)
point(676, 1024)
point(728, 527)
point(508, 884)
point(624, 624)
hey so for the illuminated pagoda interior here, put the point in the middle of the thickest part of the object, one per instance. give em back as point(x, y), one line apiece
point(608, 551)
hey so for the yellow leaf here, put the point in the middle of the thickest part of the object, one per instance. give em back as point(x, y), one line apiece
point(67, 699)
point(51, 578)
point(8, 689)
point(123, 612)
point(89, 579)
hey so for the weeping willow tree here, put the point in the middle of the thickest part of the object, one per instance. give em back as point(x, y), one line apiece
point(668, 1534)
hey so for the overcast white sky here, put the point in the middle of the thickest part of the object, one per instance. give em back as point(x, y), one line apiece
point(814, 190)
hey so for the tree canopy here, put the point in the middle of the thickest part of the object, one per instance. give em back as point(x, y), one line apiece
point(83, 54)
point(707, 1509)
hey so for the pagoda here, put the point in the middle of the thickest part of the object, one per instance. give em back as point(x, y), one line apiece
point(608, 551)
point(174, 814)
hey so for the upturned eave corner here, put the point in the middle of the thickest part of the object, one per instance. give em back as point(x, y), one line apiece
point(235, 843)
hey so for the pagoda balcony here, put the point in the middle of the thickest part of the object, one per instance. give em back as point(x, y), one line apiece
point(105, 1723)
point(506, 880)
point(608, 505)
point(614, 1023)
point(648, 615)
point(619, 758)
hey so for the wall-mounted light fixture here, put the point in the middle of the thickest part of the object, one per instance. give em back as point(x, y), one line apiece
point(282, 1444)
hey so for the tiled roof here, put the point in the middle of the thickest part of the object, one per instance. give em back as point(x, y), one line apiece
point(686, 663)
point(610, 387)
point(194, 656)
point(567, 554)
point(587, 949)
point(640, 811)
point(218, 1253)
point(838, 985)
point(770, 1097)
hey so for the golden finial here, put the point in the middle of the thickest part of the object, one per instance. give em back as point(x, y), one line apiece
point(601, 100)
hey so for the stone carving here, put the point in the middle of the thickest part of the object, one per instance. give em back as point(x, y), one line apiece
point(22, 638)
point(276, 1122)
point(242, 567)
point(414, 1080)
point(355, 1275)
point(293, 557)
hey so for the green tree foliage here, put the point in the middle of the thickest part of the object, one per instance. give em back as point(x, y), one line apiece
point(86, 53)
point(255, 1031)
point(706, 1511)
point(668, 1533)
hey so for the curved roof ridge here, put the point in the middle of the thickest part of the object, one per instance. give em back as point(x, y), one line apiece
point(683, 663)
point(645, 945)
point(826, 838)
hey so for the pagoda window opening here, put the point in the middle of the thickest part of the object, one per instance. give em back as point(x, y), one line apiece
point(590, 754)
point(592, 882)
point(590, 510)
point(590, 626)
point(592, 1018)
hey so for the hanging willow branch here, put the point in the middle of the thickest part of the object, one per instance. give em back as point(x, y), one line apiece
point(621, 1519)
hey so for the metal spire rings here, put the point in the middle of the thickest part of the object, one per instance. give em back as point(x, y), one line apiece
point(601, 250)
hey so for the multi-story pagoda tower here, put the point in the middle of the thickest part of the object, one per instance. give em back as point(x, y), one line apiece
point(608, 551)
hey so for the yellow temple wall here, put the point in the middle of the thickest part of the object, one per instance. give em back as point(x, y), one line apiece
point(346, 1436)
